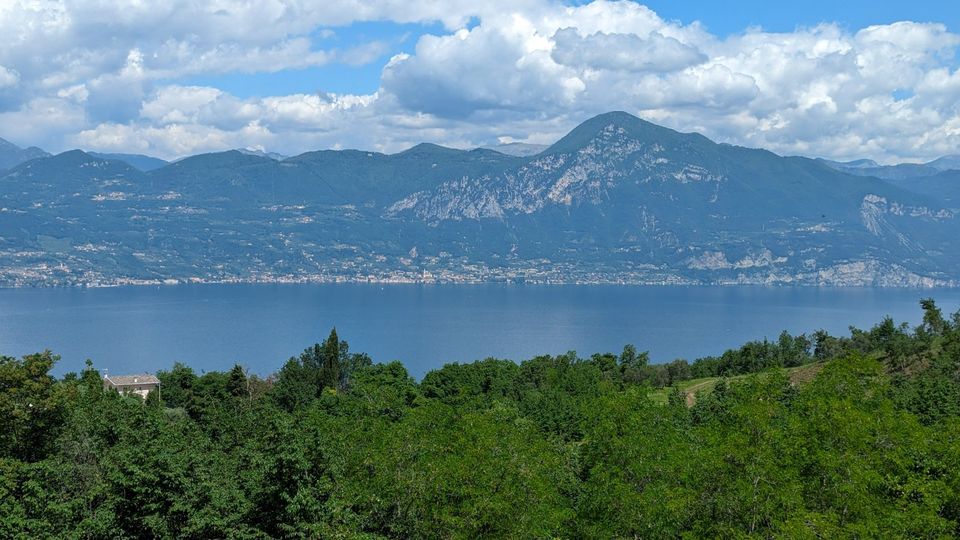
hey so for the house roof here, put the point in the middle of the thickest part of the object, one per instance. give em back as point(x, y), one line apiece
point(129, 380)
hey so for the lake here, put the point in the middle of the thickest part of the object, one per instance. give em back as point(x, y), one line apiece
point(210, 327)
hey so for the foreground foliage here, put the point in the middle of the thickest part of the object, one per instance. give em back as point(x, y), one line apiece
point(335, 446)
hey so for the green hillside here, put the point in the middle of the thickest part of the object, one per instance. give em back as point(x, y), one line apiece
point(691, 388)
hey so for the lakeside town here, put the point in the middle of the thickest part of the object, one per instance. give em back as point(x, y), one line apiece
point(436, 270)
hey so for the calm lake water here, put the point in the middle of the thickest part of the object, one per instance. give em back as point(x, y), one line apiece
point(210, 327)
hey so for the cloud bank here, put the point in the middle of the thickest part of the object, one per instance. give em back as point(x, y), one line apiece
point(114, 76)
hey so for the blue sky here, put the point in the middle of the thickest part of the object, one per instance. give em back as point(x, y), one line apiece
point(834, 79)
point(726, 18)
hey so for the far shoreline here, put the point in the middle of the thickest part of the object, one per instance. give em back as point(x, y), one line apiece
point(924, 284)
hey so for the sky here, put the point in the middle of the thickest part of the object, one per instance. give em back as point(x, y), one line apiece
point(842, 80)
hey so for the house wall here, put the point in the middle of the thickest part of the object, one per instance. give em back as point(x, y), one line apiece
point(141, 390)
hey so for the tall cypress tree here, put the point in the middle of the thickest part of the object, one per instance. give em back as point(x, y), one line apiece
point(330, 367)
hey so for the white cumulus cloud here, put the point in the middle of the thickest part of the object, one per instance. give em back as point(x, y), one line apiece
point(628, 52)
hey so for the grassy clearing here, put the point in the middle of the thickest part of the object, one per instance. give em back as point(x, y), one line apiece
point(798, 375)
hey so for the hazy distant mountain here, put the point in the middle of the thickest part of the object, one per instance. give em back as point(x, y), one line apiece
point(519, 149)
point(855, 164)
point(867, 167)
point(946, 163)
point(139, 161)
point(12, 155)
point(901, 171)
point(616, 200)
point(261, 153)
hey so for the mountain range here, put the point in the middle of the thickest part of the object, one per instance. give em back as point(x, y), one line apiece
point(617, 200)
